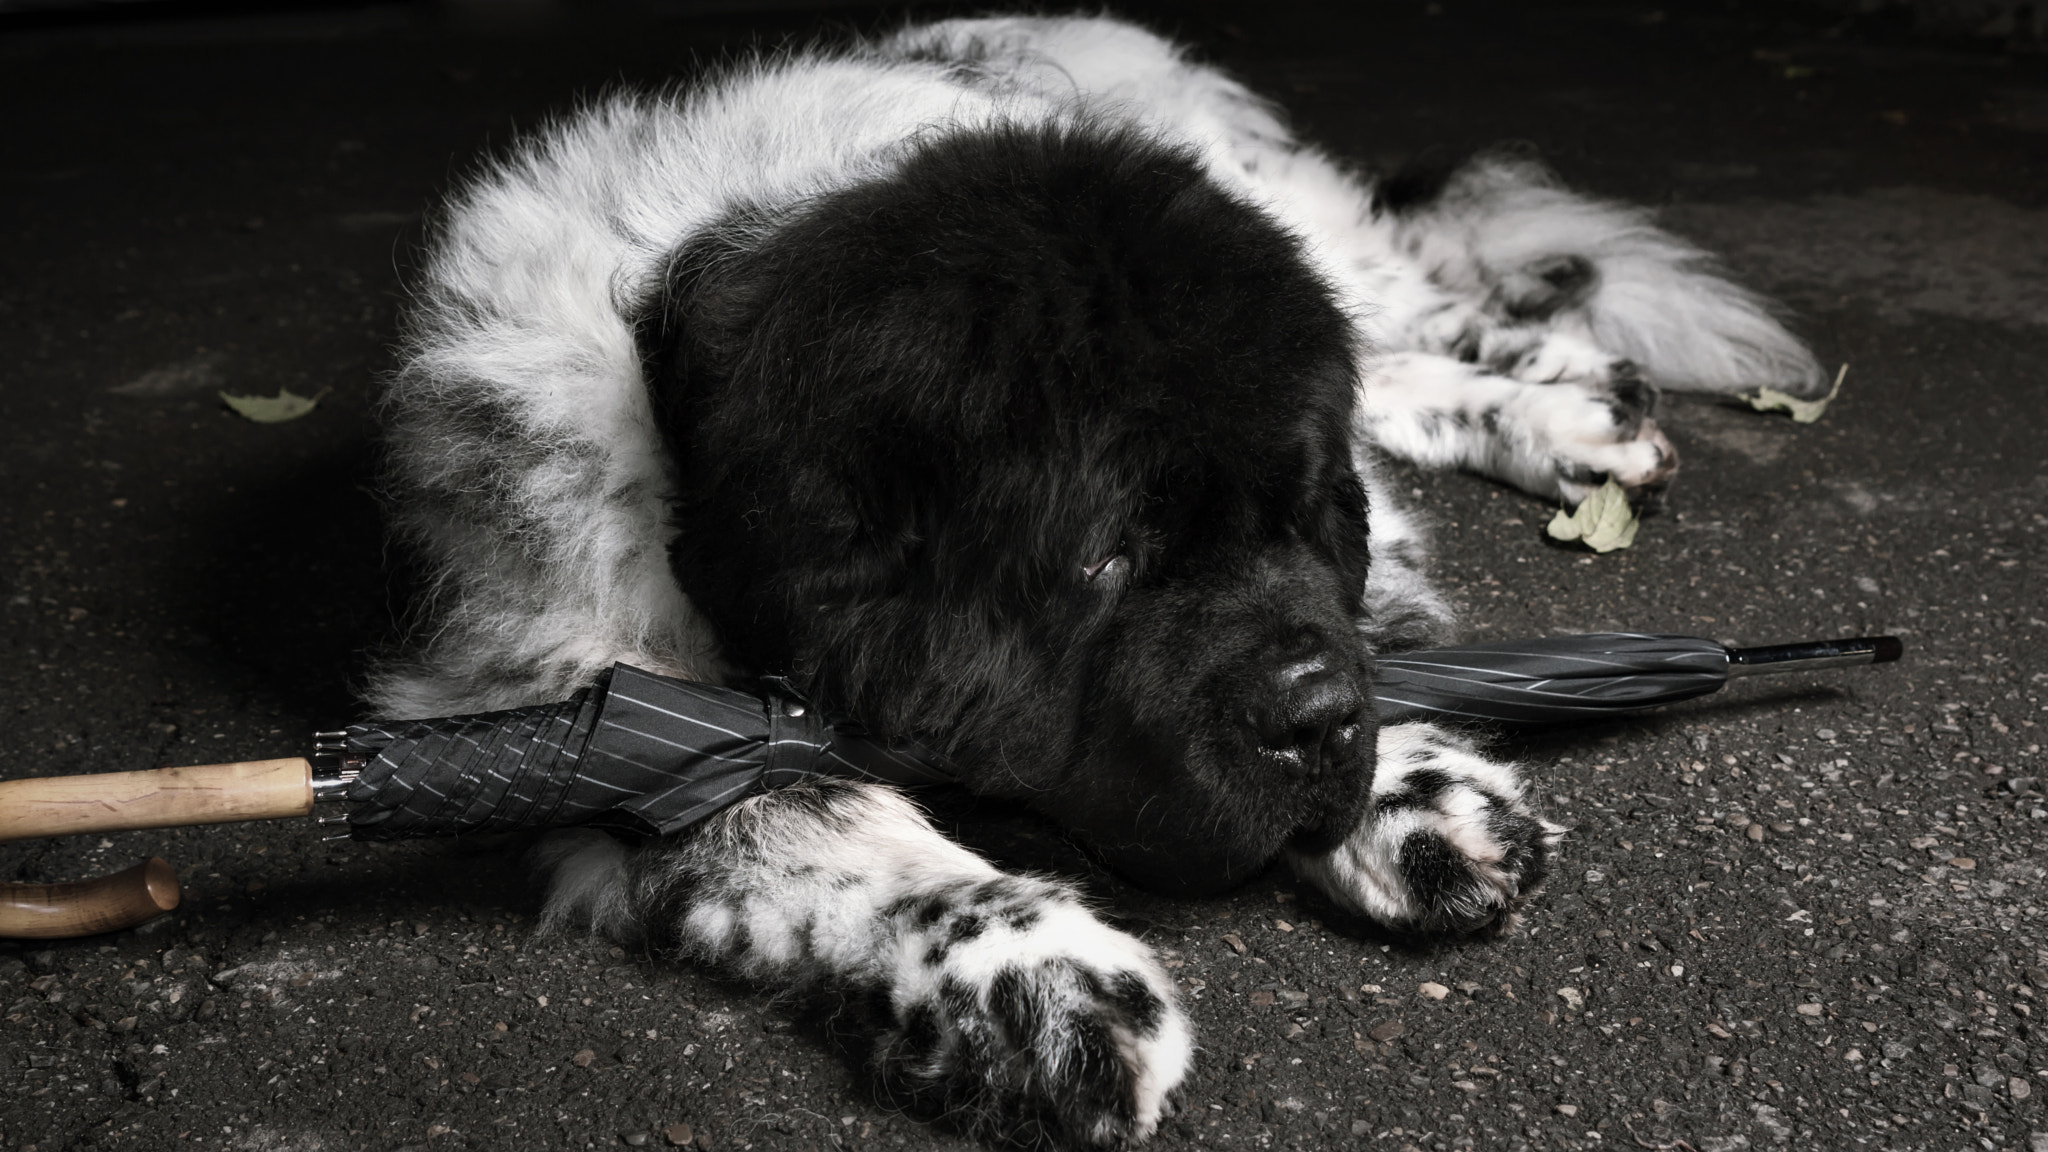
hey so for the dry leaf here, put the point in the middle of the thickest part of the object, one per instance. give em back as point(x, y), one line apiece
point(1604, 522)
point(286, 405)
point(1802, 411)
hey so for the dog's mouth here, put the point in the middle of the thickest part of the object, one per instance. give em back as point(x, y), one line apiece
point(1332, 786)
point(1225, 821)
point(1316, 756)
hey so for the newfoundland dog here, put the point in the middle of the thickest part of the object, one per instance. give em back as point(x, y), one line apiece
point(1015, 384)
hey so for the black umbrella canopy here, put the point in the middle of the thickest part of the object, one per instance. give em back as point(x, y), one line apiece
point(1570, 679)
point(653, 755)
point(1557, 679)
point(636, 751)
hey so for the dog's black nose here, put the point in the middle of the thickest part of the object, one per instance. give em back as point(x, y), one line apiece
point(1314, 718)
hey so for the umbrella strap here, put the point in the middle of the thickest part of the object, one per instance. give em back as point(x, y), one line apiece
point(851, 750)
point(797, 738)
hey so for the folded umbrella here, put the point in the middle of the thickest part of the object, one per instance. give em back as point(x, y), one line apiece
point(652, 755)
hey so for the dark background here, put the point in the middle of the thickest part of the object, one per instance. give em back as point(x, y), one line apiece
point(1803, 911)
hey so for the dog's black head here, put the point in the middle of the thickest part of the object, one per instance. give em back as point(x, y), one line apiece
point(1038, 448)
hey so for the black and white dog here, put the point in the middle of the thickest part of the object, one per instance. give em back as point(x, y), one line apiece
point(1016, 384)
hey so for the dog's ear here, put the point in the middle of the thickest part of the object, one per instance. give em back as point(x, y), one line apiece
point(695, 330)
point(691, 335)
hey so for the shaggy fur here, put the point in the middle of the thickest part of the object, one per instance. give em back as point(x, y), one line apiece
point(1015, 384)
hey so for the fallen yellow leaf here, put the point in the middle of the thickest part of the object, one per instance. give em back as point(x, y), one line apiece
point(1802, 411)
point(1604, 522)
point(286, 405)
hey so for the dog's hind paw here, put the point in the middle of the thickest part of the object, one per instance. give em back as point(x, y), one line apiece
point(1018, 1016)
point(1580, 417)
point(1589, 427)
point(1451, 847)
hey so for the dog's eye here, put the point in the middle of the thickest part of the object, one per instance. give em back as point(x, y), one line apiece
point(1110, 565)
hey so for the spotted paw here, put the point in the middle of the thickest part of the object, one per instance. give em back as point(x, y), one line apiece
point(1452, 847)
point(1016, 1014)
point(1591, 430)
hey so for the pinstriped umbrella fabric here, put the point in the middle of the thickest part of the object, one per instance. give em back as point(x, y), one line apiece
point(1555, 680)
point(654, 755)
point(637, 751)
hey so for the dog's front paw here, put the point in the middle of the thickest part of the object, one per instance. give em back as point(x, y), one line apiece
point(1017, 1015)
point(1452, 846)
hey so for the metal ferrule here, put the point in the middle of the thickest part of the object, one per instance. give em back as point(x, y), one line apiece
point(1814, 654)
point(334, 768)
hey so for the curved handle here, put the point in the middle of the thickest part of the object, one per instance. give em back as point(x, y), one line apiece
point(164, 798)
point(89, 907)
point(116, 801)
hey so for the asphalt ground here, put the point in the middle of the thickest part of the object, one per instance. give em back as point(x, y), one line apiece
point(1803, 912)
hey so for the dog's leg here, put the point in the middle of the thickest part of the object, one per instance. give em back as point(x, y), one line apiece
point(1557, 440)
point(1000, 1001)
point(1403, 609)
point(1453, 844)
point(1499, 230)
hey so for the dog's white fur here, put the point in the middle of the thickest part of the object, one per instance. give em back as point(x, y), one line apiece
point(548, 547)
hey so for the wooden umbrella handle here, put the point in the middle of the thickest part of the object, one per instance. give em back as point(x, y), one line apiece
point(164, 798)
point(89, 907)
point(118, 801)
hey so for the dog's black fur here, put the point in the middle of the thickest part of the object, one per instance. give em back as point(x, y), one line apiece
point(1040, 447)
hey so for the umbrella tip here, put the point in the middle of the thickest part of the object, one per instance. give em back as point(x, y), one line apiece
point(1888, 649)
